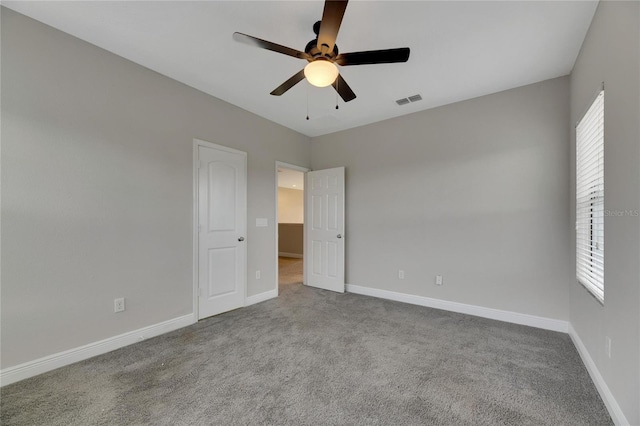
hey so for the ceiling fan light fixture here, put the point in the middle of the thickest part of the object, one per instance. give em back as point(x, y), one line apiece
point(322, 54)
point(321, 73)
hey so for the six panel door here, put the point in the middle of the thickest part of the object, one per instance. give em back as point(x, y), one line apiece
point(324, 224)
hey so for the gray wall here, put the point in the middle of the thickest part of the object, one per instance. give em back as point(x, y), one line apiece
point(611, 54)
point(97, 186)
point(476, 191)
point(97, 190)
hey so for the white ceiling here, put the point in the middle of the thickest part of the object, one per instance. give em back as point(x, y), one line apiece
point(459, 50)
point(292, 179)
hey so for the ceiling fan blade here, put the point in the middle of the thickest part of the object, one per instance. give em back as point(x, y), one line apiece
point(330, 25)
point(297, 78)
point(387, 56)
point(264, 44)
point(343, 89)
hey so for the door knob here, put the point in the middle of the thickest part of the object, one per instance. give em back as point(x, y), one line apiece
point(241, 239)
point(339, 235)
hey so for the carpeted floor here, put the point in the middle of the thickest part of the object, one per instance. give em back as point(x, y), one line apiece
point(312, 357)
point(289, 272)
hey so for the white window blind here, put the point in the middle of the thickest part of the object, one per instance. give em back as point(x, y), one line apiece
point(590, 199)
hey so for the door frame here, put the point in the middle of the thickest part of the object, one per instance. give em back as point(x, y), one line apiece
point(197, 143)
point(283, 165)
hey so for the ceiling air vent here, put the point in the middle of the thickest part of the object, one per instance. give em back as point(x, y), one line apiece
point(404, 101)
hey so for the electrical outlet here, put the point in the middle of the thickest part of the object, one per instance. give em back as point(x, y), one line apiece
point(400, 274)
point(607, 346)
point(118, 305)
point(438, 279)
point(257, 275)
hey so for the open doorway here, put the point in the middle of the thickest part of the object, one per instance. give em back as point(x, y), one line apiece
point(290, 231)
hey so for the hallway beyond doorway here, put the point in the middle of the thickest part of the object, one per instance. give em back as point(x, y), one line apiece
point(289, 271)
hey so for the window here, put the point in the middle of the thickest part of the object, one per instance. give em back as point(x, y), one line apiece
point(590, 199)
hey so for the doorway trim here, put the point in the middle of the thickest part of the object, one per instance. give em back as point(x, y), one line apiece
point(283, 165)
point(195, 248)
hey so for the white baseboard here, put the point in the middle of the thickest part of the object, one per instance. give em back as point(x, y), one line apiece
point(261, 297)
point(610, 402)
point(51, 362)
point(479, 311)
point(294, 255)
point(614, 409)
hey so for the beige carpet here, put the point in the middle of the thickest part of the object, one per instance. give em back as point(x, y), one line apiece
point(290, 271)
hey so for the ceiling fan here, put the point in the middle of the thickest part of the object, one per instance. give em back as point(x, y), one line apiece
point(323, 55)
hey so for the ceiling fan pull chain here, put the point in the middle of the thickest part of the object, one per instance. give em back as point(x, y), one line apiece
point(307, 102)
point(337, 82)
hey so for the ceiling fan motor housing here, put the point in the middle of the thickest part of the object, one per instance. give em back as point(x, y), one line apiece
point(322, 53)
point(313, 50)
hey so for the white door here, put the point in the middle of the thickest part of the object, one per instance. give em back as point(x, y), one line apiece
point(324, 225)
point(222, 203)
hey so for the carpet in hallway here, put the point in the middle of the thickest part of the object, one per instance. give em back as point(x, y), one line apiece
point(289, 270)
